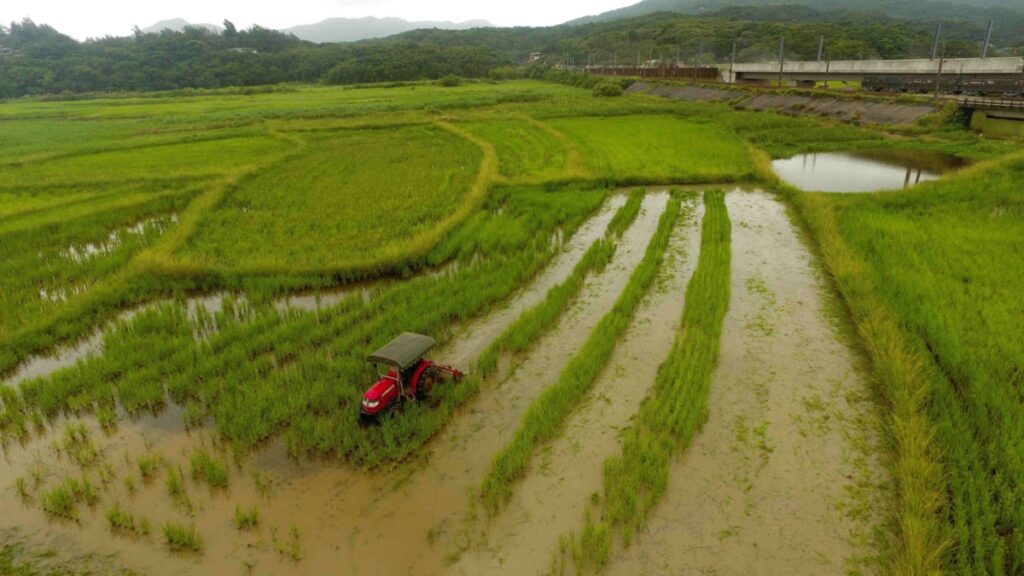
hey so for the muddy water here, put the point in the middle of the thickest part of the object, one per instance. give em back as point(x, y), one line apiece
point(866, 171)
point(549, 502)
point(348, 521)
point(781, 480)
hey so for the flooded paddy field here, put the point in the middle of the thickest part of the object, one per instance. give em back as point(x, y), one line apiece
point(669, 367)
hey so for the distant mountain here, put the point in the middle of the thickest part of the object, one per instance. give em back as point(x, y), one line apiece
point(973, 10)
point(177, 25)
point(352, 29)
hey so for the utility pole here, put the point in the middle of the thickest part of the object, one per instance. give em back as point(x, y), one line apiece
point(700, 59)
point(935, 43)
point(988, 38)
point(821, 46)
point(677, 56)
point(615, 59)
point(732, 64)
point(782, 57)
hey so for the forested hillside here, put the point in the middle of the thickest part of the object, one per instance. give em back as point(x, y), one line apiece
point(36, 59)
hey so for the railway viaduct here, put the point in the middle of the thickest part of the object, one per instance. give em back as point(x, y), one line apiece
point(855, 70)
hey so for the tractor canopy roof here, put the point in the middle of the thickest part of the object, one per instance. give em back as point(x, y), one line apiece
point(403, 351)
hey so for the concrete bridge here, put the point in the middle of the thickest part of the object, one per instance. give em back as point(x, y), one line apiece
point(805, 73)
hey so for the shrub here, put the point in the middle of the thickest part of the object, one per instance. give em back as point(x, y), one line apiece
point(608, 90)
point(450, 81)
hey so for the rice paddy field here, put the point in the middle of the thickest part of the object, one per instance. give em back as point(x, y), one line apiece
point(675, 362)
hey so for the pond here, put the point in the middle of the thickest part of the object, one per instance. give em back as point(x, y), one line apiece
point(865, 171)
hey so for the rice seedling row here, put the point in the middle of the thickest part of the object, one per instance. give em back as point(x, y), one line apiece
point(543, 419)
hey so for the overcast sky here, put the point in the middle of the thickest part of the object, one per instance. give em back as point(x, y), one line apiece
point(82, 19)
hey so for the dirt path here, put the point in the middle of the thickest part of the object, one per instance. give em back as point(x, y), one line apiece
point(782, 479)
point(549, 502)
point(349, 522)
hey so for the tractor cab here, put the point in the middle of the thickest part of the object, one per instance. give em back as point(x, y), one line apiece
point(403, 373)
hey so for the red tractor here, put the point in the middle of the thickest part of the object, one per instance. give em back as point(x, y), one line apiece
point(404, 374)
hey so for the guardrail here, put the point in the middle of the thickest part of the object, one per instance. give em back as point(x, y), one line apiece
point(992, 103)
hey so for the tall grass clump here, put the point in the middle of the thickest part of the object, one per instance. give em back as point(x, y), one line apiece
point(546, 415)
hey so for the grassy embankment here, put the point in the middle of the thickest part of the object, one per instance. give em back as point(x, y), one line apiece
point(930, 277)
point(546, 415)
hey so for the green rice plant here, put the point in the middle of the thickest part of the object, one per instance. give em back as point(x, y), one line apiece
point(120, 520)
point(325, 209)
point(148, 464)
point(181, 538)
point(22, 488)
point(676, 408)
point(175, 484)
point(926, 275)
point(546, 415)
point(533, 322)
point(245, 375)
point(206, 468)
point(657, 149)
point(626, 215)
point(62, 500)
point(527, 152)
point(246, 518)
point(290, 547)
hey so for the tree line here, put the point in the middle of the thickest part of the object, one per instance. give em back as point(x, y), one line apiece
point(36, 59)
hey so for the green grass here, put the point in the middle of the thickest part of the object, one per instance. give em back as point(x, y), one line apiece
point(931, 277)
point(546, 415)
point(670, 416)
point(657, 149)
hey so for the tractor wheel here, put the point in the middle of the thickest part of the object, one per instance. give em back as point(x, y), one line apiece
point(427, 380)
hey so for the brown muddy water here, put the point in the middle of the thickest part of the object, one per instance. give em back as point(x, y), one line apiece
point(784, 477)
point(333, 519)
point(550, 500)
point(864, 171)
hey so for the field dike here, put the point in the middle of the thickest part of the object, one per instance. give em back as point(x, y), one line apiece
point(335, 519)
point(550, 499)
point(783, 477)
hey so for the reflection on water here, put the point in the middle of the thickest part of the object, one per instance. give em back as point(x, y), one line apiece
point(864, 171)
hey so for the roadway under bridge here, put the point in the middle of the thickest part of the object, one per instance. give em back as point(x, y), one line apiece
point(805, 73)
